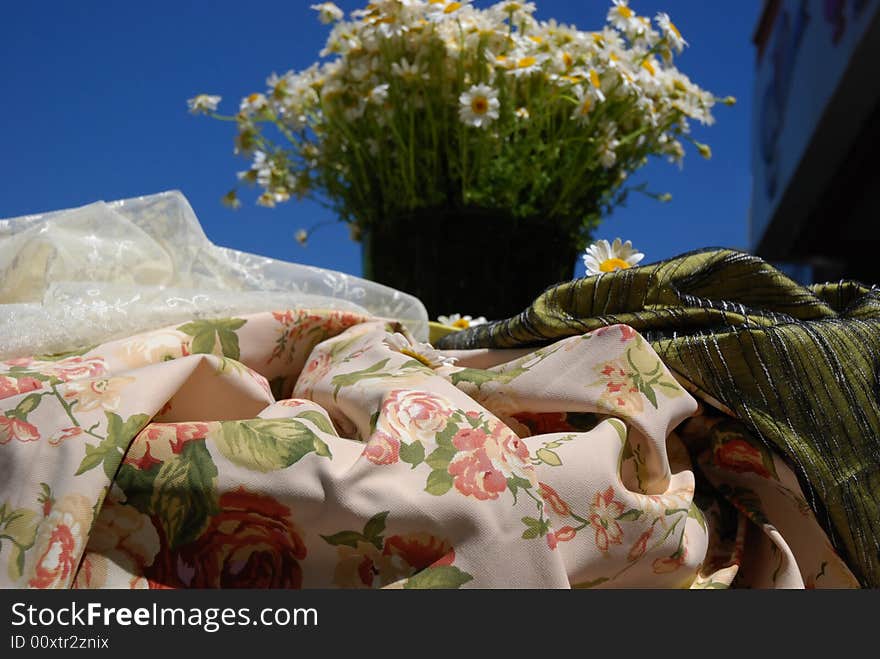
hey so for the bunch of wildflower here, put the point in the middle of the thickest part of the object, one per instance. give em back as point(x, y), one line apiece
point(436, 103)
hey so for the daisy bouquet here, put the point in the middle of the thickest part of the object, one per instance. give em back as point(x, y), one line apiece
point(422, 104)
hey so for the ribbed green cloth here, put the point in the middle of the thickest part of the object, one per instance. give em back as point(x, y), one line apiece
point(799, 365)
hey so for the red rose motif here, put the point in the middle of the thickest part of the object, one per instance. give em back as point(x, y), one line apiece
point(419, 550)
point(382, 449)
point(10, 386)
point(12, 428)
point(740, 456)
point(547, 422)
point(552, 497)
point(250, 543)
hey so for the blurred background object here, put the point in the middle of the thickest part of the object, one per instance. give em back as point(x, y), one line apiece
point(816, 131)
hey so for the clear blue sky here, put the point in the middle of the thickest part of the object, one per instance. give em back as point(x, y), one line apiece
point(95, 108)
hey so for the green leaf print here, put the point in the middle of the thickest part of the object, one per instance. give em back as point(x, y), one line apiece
point(346, 538)
point(438, 577)
point(375, 527)
point(348, 379)
point(439, 482)
point(319, 420)
point(26, 406)
point(479, 377)
point(110, 451)
point(18, 529)
point(267, 444)
point(413, 454)
point(207, 333)
point(184, 494)
point(441, 457)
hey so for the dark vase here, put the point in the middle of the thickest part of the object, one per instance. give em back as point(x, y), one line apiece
point(469, 261)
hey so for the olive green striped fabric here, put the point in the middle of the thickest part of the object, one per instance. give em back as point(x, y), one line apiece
point(800, 365)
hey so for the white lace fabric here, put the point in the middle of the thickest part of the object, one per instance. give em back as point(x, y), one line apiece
point(82, 276)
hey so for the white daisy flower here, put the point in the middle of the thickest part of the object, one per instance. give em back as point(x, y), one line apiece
point(522, 113)
point(478, 106)
point(422, 352)
point(403, 69)
point(253, 103)
point(623, 18)
point(378, 94)
point(670, 32)
point(203, 103)
point(328, 12)
point(586, 98)
point(438, 10)
point(461, 322)
point(604, 257)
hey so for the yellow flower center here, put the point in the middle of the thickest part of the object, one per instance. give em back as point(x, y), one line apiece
point(624, 11)
point(462, 323)
point(253, 98)
point(479, 105)
point(674, 29)
point(612, 264)
point(526, 62)
point(594, 78)
point(567, 60)
point(451, 7)
point(648, 66)
point(586, 106)
point(417, 356)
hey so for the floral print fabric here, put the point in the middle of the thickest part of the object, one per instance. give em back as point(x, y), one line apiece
point(300, 449)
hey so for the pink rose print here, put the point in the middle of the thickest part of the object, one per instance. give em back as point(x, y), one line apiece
point(382, 449)
point(72, 368)
point(485, 460)
point(473, 472)
point(412, 415)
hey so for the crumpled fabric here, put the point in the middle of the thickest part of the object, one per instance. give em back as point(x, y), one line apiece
point(798, 365)
point(313, 448)
point(107, 270)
